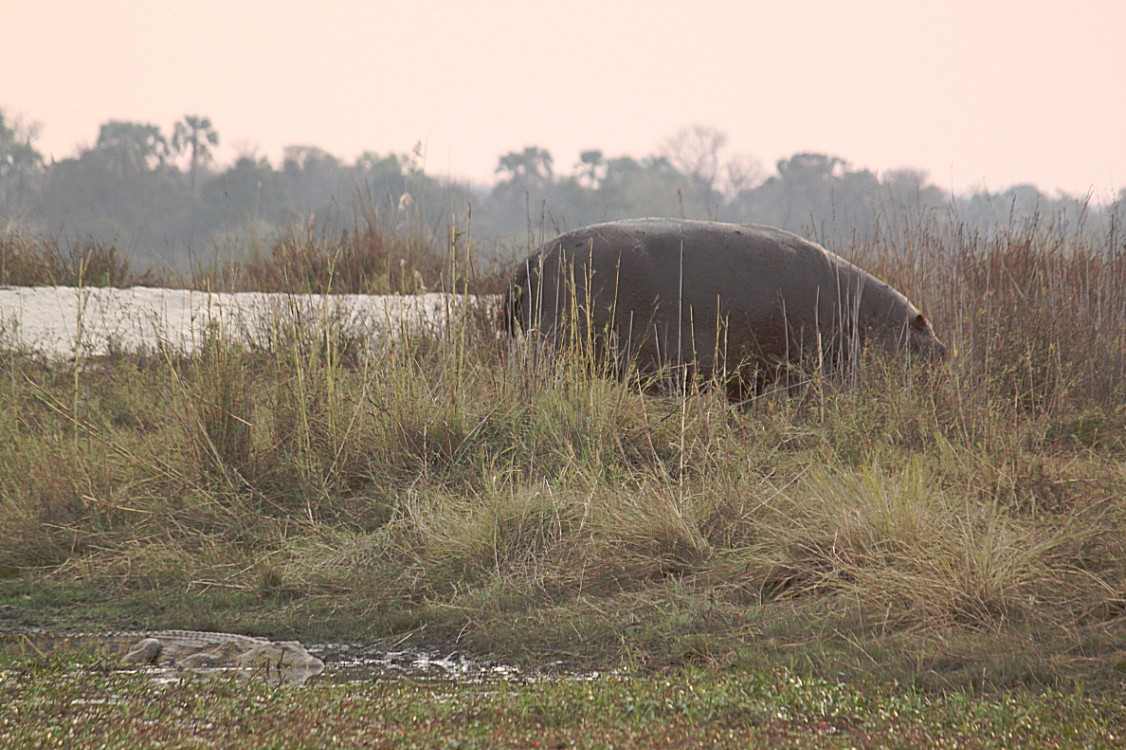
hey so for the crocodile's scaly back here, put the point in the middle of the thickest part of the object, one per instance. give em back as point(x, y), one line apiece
point(189, 649)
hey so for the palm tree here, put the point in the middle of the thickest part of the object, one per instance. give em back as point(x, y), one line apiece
point(197, 135)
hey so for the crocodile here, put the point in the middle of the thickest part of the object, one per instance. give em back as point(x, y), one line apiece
point(193, 650)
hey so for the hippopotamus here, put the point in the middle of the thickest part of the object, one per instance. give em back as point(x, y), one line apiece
point(740, 303)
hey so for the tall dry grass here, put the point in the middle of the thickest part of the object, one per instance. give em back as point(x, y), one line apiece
point(370, 257)
point(27, 260)
point(453, 482)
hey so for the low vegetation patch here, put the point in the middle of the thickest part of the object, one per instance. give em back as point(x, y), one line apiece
point(49, 706)
point(362, 259)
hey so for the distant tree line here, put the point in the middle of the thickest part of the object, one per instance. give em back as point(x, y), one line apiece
point(160, 196)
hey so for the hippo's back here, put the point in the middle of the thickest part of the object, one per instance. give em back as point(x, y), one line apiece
point(654, 275)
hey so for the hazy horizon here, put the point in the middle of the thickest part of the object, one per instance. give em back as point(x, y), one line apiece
point(980, 96)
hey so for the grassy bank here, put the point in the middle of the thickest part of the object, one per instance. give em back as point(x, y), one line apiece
point(962, 528)
point(52, 707)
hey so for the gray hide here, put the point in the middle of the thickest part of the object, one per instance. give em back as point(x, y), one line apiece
point(734, 301)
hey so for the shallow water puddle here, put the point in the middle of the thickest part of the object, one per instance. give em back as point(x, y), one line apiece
point(350, 662)
point(332, 663)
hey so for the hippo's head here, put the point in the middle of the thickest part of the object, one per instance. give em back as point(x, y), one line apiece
point(892, 321)
point(921, 341)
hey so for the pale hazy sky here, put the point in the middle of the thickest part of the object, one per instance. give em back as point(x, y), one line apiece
point(979, 93)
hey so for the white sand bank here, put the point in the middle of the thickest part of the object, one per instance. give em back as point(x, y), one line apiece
point(65, 321)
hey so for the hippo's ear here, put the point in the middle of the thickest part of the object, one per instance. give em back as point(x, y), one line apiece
point(919, 323)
